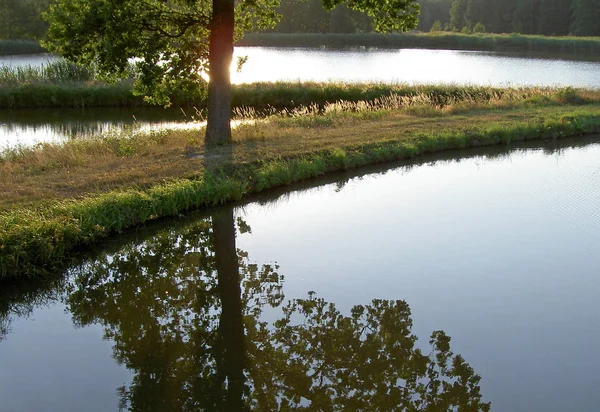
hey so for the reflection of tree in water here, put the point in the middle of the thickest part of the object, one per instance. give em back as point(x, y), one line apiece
point(70, 129)
point(184, 311)
point(18, 299)
point(364, 361)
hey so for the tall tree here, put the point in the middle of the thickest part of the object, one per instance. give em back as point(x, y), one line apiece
point(302, 16)
point(502, 19)
point(586, 18)
point(458, 14)
point(345, 20)
point(525, 16)
point(477, 12)
point(432, 11)
point(177, 39)
point(554, 17)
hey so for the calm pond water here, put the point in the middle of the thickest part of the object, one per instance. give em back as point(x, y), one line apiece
point(419, 66)
point(272, 64)
point(498, 249)
point(27, 127)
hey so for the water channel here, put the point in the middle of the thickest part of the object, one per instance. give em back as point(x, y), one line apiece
point(498, 248)
point(413, 66)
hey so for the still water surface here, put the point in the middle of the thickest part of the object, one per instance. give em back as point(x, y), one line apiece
point(27, 127)
point(272, 64)
point(411, 66)
point(499, 250)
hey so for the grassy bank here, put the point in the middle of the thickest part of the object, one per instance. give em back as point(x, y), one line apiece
point(574, 47)
point(14, 47)
point(63, 85)
point(261, 97)
point(59, 198)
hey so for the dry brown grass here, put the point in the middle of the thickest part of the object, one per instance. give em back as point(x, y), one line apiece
point(79, 168)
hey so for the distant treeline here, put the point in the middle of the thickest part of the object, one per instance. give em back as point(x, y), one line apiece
point(308, 16)
point(21, 19)
point(545, 17)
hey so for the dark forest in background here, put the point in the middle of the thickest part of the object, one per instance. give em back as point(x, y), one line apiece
point(547, 17)
point(21, 19)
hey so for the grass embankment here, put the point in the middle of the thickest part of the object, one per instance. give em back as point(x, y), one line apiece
point(64, 85)
point(58, 198)
point(14, 47)
point(576, 47)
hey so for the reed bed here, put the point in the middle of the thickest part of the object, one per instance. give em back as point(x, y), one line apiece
point(64, 84)
point(424, 101)
point(56, 72)
point(18, 92)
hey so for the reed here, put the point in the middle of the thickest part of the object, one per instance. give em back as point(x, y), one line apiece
point(56, 72)
point(16, 92)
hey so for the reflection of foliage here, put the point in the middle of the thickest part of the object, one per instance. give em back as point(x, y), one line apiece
point(159, 303)
point(185, 312)
point(18, 299)
point(365, 361)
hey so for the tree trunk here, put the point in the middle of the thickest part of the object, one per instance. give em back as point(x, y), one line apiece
point(218, 129)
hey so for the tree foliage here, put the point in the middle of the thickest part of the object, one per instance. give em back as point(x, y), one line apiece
point(169, 40)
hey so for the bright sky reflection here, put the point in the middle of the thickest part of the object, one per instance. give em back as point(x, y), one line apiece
point(411, 66)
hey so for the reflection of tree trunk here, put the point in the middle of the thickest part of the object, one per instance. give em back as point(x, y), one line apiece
point(218, 129)
point(231, 327)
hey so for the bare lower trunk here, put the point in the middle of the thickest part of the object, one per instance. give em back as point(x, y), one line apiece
point(218, 129)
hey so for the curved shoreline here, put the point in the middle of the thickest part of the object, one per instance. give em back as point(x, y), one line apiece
point(38, 242)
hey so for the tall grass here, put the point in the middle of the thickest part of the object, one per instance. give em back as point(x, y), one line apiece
point(56, 72)
point(73, 95)
point(13, 47)
point(288, 96)
point(583, 47)
point(63, 84)
point(21, 89)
